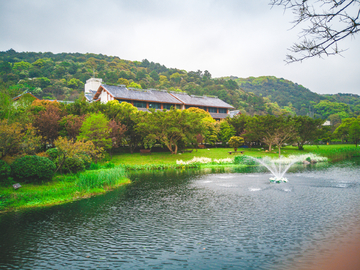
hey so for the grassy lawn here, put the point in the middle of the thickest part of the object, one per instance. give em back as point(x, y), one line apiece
point(220, 153)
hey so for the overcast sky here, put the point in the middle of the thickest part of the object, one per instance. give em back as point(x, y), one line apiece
point(226, 37)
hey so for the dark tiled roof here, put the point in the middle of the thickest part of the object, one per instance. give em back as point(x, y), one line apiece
point(219, 115)
point(121, 92)
point(203, 101)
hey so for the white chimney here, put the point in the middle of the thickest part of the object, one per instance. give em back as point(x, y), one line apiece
point(92, 84)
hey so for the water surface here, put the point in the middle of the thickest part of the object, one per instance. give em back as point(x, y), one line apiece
point(191, 220)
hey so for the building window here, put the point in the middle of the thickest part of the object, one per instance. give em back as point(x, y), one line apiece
point(222, 110)
point(120, 101)
point(212, 110)
point(168, 106)
point(154, 106)
point(139, 104)
point(192, 106)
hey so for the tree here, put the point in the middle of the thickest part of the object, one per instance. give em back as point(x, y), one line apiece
point(71, 125)
point(342, 131)
point(126, 114)
point(170, 127)
point(226, 131)
point(328, 21)
point(235, 142)
point(74, 149)
point(117, 133)
point(95, 128)
point(46, 122)
point(10, 137)
point(31, 142)
point(271, 130)
point(307, 129)
point(134, 85)
point(354, 132)
point(239, 123)
point(123, 81)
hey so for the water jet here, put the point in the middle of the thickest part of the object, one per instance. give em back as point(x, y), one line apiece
point(277, 167)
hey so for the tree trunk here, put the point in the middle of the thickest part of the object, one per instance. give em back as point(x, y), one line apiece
point(269, 147)
point(279, 147)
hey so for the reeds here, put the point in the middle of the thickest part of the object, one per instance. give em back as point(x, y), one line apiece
point(100, 178)
point(63, 188)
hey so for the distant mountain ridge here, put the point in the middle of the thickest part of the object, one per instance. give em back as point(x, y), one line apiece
point(62, 76)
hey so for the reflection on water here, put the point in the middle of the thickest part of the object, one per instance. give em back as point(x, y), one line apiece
point(174, 219)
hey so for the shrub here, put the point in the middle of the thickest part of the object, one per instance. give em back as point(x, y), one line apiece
point(4, 171)
point(53, 153)
point(244, 160)
point(32, 169)
point(73, 165)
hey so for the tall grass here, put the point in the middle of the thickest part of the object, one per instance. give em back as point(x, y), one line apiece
point(100, 178)
point(63, 188)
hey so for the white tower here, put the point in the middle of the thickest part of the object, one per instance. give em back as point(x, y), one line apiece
point(92, 84)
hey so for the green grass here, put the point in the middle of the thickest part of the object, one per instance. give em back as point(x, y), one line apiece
point(62, 189)
point(333, 152)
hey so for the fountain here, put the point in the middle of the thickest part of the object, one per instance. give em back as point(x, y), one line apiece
point(276, 168)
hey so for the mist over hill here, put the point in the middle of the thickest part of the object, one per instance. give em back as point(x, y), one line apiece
point(62, 76)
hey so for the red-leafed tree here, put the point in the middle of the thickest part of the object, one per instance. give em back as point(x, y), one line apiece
point(47, 123)
point(117, 134)
point(70, 125)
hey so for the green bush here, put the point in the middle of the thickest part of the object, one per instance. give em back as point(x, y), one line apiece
point(73, 165)
point(244, 160)
point(31, 169)
point(4, 171)
point(53, 153)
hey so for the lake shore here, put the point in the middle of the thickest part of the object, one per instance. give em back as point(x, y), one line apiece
point(63, 188)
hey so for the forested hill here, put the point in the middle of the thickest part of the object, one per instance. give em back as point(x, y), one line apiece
point(284, 92)
point(62, 76)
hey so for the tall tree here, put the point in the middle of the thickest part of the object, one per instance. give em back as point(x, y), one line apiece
point(171, 127)
point(308, 129)
point(354, 131)
point(95, 128)
point(271, 130)
point(47, 123)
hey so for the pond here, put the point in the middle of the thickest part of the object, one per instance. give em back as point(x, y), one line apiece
point(191, 220)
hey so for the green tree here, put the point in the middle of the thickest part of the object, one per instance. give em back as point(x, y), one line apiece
point(342, 131)
point(95, 128)
point(235, 142)
point(354, 131)
point(271, 130)
point(70, 149)
point(154, 75)
point(125, 114)
point(10, 137)
point(75, 83)
point(134, 85)
point(307, 129)
point(170, 127)
point(226, 131)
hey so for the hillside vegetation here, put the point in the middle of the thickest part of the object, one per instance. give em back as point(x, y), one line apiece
point(62, 76)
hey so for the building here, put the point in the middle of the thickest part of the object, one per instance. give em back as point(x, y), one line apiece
point(155, 99)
